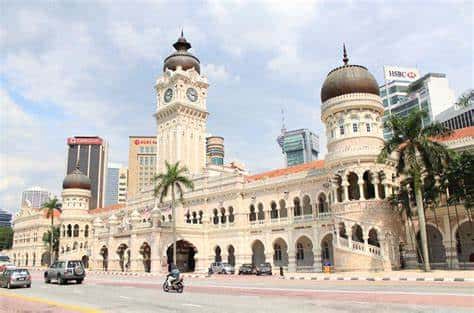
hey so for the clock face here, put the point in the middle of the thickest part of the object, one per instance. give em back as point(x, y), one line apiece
point(192, 95)
point(168, 95)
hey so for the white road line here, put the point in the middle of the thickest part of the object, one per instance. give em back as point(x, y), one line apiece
point(342, 291)
point(123, 297)
point(193, 305)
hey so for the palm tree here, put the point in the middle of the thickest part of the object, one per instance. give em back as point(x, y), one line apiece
point(419, 155)
point(173, 179)
point(51, 207)
point(466, 99)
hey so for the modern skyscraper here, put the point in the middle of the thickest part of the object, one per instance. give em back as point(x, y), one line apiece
point(5, 218)
point(298, 146)
point(116, 185)
point(92, 154)
point(404, 92)
point(35, 196)
point(141, 163)
point(456, 117)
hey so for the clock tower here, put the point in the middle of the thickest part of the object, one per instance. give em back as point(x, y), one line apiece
point(181, 112)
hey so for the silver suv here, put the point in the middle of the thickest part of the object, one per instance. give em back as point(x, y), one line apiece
point(64, 271)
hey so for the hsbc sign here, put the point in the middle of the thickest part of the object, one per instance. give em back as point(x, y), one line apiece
point(84, 141)
point(144, 141)
point(400, 73)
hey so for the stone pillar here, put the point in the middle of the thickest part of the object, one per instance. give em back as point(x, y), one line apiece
point(317, 265)
point(156, 217)
point(345, 186)
point(366, 241)
point(451, 254)
point(349, 234)
point(291, 261)
point(269, 255)
point(376, 182)
point(361, 190)
point(136, 259)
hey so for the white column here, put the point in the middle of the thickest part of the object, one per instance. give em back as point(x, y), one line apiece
point(361, 190)
point(376, 182)
point(345, 185)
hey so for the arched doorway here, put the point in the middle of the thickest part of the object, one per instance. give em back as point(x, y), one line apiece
point(465, 242)
point(357, 234)
point(185, 252)
point(258, 252)
point(231, 255)
point(373, 238)
point(369, 189)
point(85, 261)
point(353, 188)
point(104, 253)
point(124, 256)
point(436, 250)
point(304, 253)
point(280, 253)
point(307, 207)
point(145, 251)
point(327, 251)
point(217, 254)
point(323, 206)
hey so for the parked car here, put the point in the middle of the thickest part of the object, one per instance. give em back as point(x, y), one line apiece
point(264, 269)
point(246, 269)
point(227, 268)
point(64, 271)
point(4, 260)
point(15, 277)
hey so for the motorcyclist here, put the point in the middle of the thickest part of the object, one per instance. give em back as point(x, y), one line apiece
point(173, 275)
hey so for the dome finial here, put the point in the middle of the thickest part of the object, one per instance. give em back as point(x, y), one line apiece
point(345, 59)
point(182, 35)
point(182, 44)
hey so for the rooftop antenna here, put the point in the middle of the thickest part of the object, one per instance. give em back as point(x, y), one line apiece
point(283, 127)
point(345, 59)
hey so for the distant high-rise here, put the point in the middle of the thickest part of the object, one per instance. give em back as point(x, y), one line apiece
point(141, 163)
point(404, 91)
point(92, 153)
point(5, 218)
point(116, 186)
point(298, 146)
point(35, 196)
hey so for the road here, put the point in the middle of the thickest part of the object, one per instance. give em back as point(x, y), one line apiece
point(238, 294)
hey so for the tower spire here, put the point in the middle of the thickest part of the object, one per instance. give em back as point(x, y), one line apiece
point(345, 59)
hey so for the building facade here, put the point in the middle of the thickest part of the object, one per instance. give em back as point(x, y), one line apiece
point(456, 118)
point(92, 155)
point(35, 196)
point(116, 188)
point(142, 152)
point(215, 150)
point(334, 211)
point(298, 146)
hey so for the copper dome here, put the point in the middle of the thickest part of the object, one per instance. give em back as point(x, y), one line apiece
point(181, 57)
point(348, 79)
point(77, 180)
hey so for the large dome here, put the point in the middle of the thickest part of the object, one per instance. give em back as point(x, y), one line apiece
point(77, 180)
point(181, 57)
point(348, 79)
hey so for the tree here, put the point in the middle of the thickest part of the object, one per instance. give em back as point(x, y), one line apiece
point(52, 242)
point(466, 99)
point(51, 207)
point(6, 237)
point(174, 180)
point(419, 155)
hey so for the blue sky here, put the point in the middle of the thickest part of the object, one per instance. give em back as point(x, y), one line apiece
point(88, 68)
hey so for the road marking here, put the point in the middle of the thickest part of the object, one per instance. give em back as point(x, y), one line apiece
point(193, 305)
point(341, 291)
point(123, 297)
point(71, 307)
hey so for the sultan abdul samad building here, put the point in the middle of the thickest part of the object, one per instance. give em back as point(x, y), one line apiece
point(328, 211)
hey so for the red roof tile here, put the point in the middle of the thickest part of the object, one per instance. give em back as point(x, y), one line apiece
point(287, 170)
point(112, 207)
point(459, 133)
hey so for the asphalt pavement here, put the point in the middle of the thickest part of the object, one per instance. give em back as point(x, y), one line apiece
point(238, 294)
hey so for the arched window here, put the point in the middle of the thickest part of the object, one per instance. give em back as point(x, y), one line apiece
point(277, 249)
point(373, 238)
point(274, 211)
point(353, 180)
point(369, 190)
point(322, 204)
point(69, 230)
point(188, 217)
point(163, 218)
point(342, 230)
point(64, 231)
point(200, 217)
point(307, 208)
point(252, 215)
point(195, 220)
point(297, 208)
point(299, 251)
point(231, 214)
point(76, 230)
point(170, 218)
point(261, 213)
point(86, 231)
point(357, 233)
point(223, 217)
point(74, 246)
point(215, 218)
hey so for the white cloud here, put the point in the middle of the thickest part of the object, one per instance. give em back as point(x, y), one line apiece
point(218, 73)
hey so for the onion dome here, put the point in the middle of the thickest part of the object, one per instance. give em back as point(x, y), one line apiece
point(77, 180)
point(348, 79)
point(181, 57)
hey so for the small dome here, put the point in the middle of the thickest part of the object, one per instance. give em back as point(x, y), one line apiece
point(348, 79)
point(77, 180)
point(181, 57)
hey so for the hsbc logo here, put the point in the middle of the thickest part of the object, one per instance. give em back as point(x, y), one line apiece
point(401, 74)
point(145, 142)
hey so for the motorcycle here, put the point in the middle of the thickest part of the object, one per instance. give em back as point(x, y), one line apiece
point(177, 286)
